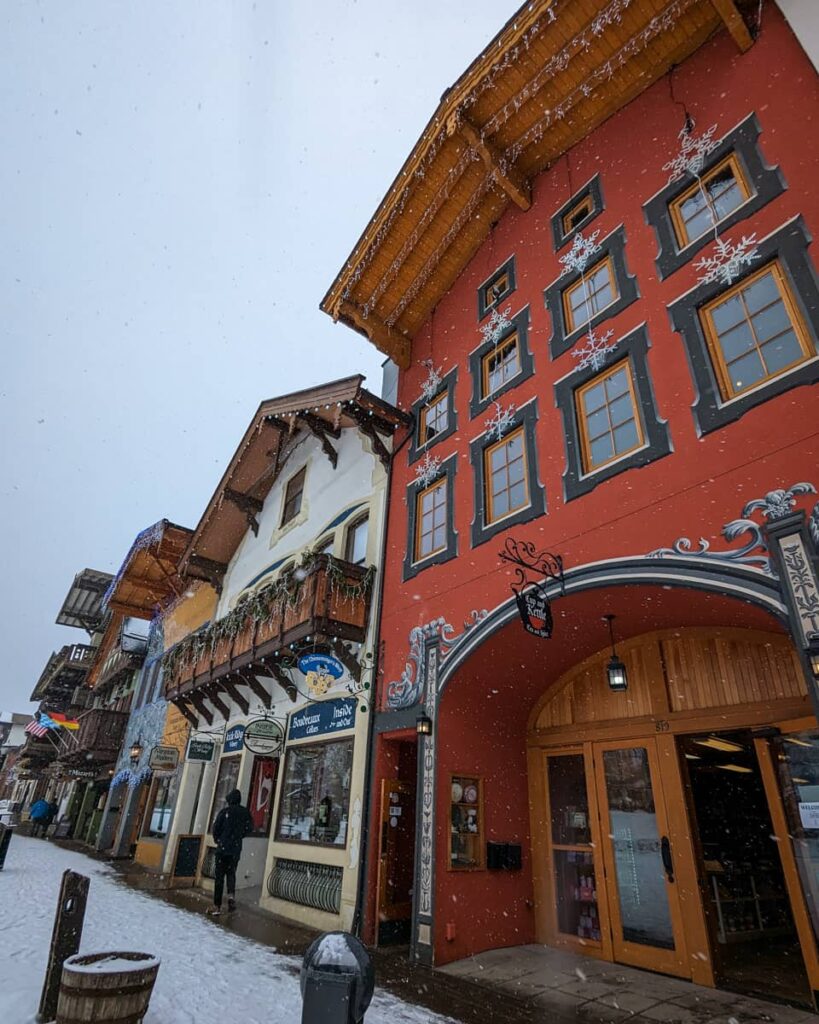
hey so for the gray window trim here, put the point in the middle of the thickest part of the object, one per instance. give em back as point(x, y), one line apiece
point(592, 189)
point(613, 245)
point(448, 383)
point(767, 183)
point(481, 531)
point(634, 347)
point(411, 568)
point(788, 244)
point(520, 323)
point(507, 267)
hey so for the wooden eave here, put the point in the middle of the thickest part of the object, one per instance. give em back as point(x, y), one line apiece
point(517, 108)
point(260, 457)
point(109, 638)
point(150, 577)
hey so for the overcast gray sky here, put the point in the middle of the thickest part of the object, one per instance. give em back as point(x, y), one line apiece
point(180, 182)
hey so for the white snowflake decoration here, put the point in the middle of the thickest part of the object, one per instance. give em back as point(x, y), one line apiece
point(728, 260)
point(582, 250)
point(693, 151)
point(500, 421)
point(427, 470)
point(495, 326)
point(594, 352)
point(430, 386)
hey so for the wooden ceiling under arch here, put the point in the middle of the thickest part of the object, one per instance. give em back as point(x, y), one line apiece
point(556, 71)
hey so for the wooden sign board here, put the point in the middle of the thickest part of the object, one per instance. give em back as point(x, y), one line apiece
point(186, 859)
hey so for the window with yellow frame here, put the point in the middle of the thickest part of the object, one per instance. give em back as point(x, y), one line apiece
point(709, 200)
point(755, 332)
point(577, 214)
point(500, 365)
point(596, 290)
point(607, 416)
point(495, 289)
point(506, 477)
point(430, 521)
point(433, 419)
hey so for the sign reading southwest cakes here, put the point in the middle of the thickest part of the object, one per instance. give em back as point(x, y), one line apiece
point(322, 718)
point(200, 750)
point(233, 739)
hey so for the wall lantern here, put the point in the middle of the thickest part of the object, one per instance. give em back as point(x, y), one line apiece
point(615, 670)
point(423, 725)
point(136, 751)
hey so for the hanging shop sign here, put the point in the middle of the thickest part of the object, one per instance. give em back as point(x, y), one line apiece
point(200, 750)
point(325, 717)
point(78, 773)
point(320, 672)
point(164, 759)
point(263, 736)
point(531, 595)
point(233, 739)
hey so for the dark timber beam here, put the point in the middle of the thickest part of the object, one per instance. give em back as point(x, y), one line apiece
point(323, 432)
point(391, 342)
point(734, 22)
point(201, 709)
point(347, 659)
point(283, 679)
point(212, 693)
point(235, 694)
point(505, 174)
point(251, 507)
point(249, 679)
point(213, 571)
point(368, 429)
point(186, 712)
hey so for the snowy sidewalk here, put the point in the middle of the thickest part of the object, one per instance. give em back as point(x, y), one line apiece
point(208, 975)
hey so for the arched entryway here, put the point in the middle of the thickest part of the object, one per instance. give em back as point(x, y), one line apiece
point(705, 656)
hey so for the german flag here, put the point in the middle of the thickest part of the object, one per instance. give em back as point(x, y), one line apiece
point(64, 721)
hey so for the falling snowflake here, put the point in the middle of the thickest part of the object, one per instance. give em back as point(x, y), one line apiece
point(496, 325)
point(582, 250)
point(500, 421)
point(430, 386)
point(693, 151)
point(427, 470)
point(727, 261)
point(594, 352)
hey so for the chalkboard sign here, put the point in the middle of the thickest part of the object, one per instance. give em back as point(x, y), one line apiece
point(186, 860)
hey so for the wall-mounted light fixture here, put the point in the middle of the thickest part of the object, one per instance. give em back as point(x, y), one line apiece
point(423, 725)
point(136, 751)
point(615, 670)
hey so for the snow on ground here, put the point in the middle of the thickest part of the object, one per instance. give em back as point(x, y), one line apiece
point(208, 975)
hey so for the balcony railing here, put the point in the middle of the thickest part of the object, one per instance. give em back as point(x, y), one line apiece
point(98, 738)
point(65, 669)
point(328, 600)
point(117, 663)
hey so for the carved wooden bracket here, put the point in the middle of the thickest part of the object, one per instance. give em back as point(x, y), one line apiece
point(214, 571)
point(734, 22)
point(251, 507)
point(323, 431)
point(503, 171)
point(201, 709)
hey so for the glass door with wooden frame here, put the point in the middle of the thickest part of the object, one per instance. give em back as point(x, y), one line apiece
point(575, 873)
point(642, 897)
point(396, 862)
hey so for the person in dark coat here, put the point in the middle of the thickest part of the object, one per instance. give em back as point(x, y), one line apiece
point(51, 814)
point(38, 814)
point(232, 824)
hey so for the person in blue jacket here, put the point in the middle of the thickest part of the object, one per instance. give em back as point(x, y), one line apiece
point(38, 813)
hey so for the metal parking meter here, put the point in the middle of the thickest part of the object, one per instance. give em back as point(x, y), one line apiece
point(337, 980)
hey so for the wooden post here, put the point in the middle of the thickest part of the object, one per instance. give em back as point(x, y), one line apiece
point(65, 939)
point(5, 839)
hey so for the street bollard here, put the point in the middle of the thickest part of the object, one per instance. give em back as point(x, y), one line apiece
point(5, 839)
point(337, 980)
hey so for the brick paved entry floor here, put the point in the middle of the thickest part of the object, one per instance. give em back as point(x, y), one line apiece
point(588, 990)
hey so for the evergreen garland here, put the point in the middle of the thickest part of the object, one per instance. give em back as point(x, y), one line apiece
point(251, 609)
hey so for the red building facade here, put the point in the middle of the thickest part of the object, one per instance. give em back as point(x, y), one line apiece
point(624, 363)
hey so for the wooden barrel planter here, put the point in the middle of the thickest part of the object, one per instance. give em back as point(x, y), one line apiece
point(106, 988)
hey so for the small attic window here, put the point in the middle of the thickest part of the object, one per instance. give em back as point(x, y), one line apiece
point(293, 495)
point(496, 288)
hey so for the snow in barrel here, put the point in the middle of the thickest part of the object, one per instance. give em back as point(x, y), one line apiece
point(107, 988)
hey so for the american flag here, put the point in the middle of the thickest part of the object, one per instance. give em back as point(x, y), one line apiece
point(35, 728)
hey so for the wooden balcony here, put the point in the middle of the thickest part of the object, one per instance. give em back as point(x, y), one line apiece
point(64, 671)
point(331, 604)
point(98, 739)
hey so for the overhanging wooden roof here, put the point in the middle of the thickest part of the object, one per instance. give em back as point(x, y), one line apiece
point(148, 577)
point(322, 411)
point(82, 606)
point(557, 70)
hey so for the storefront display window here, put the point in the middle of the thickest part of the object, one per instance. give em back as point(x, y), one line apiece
point(466, 824)
point(262, 788)
point(226, 781)
point(316, 794)
point(157, 818)
point(797, 760)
